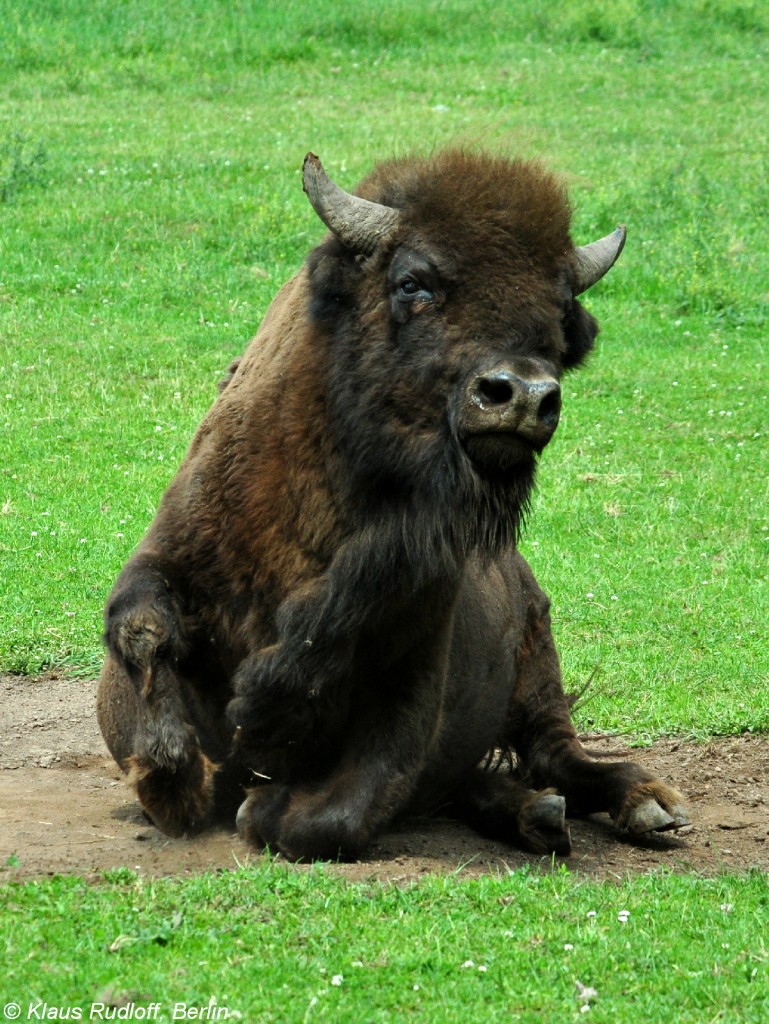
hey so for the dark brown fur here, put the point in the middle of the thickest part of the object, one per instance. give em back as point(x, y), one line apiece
point(329, 604)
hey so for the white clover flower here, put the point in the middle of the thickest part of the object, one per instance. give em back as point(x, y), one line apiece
point(585, 993)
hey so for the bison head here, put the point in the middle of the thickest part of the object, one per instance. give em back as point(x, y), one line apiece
point(448, 292)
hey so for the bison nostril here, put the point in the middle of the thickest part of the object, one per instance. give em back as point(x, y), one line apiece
point(495, 390)
point(549, 409)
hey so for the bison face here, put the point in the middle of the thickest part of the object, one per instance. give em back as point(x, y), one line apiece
point(449, 301)
point(494, 365)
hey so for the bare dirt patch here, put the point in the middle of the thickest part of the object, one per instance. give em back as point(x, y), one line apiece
point(65, 809)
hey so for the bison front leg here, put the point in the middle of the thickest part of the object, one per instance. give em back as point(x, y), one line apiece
point(332, 820)
point(382, 751)
point(284, 692)
point(148, 713)
point(550, 754)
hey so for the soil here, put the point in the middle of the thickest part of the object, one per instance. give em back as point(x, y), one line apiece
point(66, 809)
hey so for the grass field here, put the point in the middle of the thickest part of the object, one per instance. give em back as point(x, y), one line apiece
point(274, 946)
point(151, 205)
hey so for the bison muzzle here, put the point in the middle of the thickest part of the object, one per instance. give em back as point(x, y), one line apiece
point(328, 623)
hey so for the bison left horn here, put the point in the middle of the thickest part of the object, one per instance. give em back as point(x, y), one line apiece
point(357, 223)
point(596, 259)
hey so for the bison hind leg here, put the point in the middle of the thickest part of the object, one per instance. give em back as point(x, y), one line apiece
point(500, 807)
point(651, 806)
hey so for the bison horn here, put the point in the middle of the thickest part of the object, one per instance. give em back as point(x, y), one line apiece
point(357, 223)
point(596, 259)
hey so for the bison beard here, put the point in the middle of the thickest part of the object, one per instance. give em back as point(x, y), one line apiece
point(329, 606)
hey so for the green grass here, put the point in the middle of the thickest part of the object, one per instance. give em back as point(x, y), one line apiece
point(153, 206)
point(270, 944)
point(150, 206)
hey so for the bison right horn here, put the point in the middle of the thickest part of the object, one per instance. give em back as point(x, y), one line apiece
point(357, 223)
point(597, 258)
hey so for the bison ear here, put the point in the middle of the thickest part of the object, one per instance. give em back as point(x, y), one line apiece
point(333, 273)
point(580, 330)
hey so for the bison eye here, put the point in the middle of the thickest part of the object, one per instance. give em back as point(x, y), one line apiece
point(409, 289)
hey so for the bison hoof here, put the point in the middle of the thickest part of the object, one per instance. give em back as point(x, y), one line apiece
point(543, 825)
point(651, 817)
point(258, 818)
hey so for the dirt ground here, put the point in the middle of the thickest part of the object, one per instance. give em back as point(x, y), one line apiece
point(65, 809)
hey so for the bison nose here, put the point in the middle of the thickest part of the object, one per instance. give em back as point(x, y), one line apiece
point(504, 402)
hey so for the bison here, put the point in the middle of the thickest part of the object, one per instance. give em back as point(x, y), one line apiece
point(329, 624)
